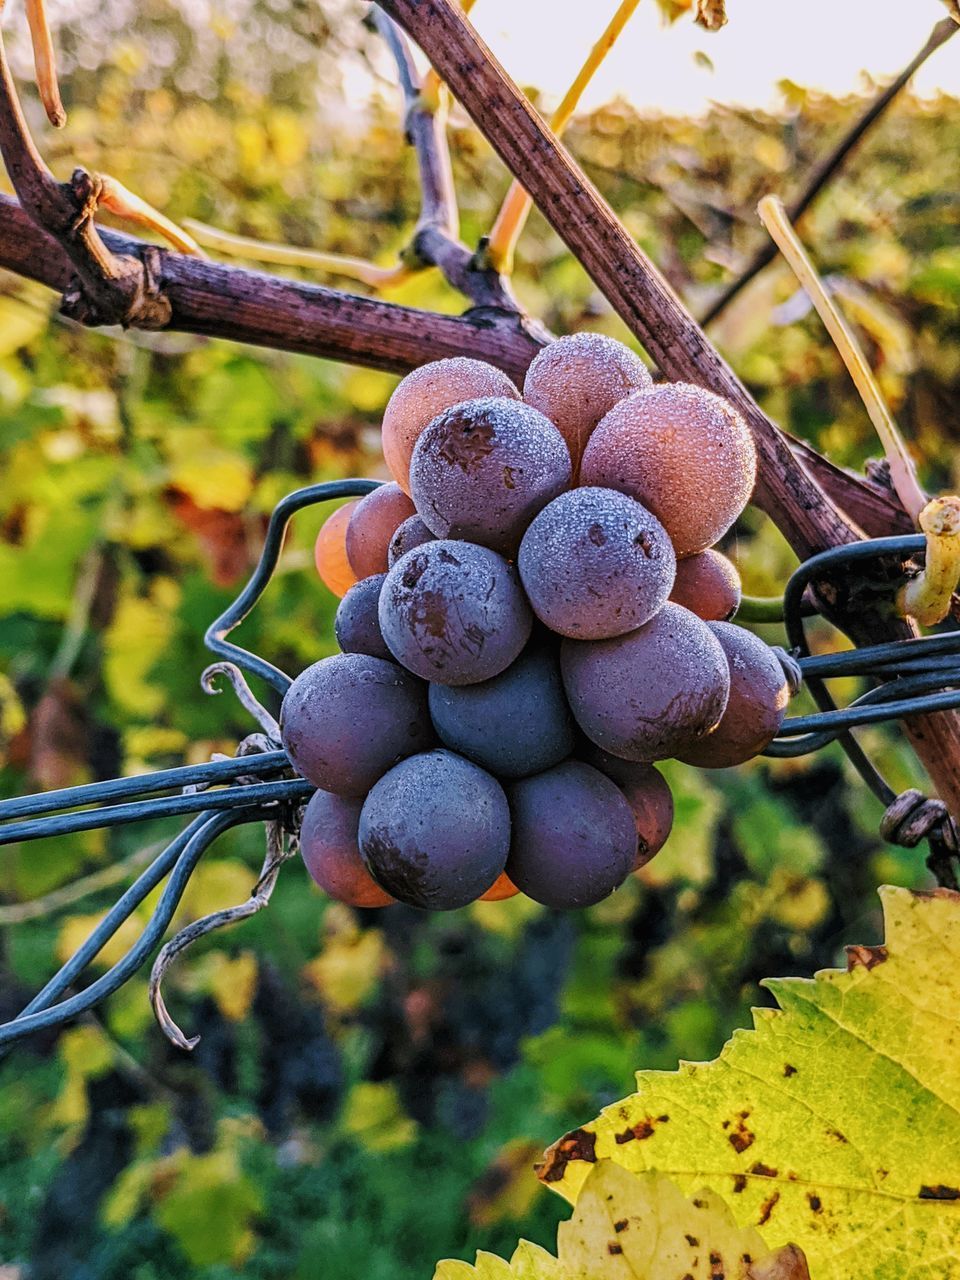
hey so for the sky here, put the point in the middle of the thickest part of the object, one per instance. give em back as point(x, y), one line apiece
point(823, 44)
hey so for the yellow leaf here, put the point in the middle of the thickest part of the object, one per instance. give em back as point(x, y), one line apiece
point(213, 886)
point(213, 478)
point(136, 638)
point(834, 1123)
point(76, 929)
point(629, 1226)
point(234, 984)
point(347, 969)
point(374, 1116)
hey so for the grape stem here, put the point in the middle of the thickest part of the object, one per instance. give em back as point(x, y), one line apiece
point(928, 597)
point(902, 471)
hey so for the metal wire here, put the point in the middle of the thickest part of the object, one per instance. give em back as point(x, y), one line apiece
point(208, 774)
point(929, 655)
point(239, 797)
point(202, 835)
point(216, 634)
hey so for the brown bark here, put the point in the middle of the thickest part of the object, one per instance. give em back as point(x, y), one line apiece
point(221, 301)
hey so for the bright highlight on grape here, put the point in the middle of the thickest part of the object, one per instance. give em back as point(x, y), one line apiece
point(533, 614)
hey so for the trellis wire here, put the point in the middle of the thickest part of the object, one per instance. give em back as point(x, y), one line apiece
point(917, 676)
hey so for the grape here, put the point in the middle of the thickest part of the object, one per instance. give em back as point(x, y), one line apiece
point(681, 451)
point(574, 839)
point(578, 379)
point(424, 393)
point(647, 794)
point(651, 801)
point(356, 624)
point(515, 724)
point(330, 551)
point(435, 831)
point(503, 887)
point(372, 525)
point(595, 563)
point(708, 585)
point(650, 694)
point(412, 533)
point(347, 719)
point(454, 612)
point(483, 469)
point(329, 848)
point(755, 709)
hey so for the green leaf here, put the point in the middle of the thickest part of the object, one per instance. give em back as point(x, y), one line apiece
point(630, 1226)
point(834, 1123)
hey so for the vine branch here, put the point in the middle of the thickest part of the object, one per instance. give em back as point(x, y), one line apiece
point(106, 288)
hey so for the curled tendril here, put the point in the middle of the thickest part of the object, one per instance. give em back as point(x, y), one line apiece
point(245, 696)
point(279, 849)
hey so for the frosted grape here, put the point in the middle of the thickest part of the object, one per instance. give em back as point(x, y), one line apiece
point(435, 831)
point(454, 612)
point(371, 527)
point(347, 719)
point(578, 379)
point(329, 848)
point(574, 839)
point(683, 452)
point(649, 694)
point(483, 469)
point(708, 585)
point(595, 563)
point(356, 625)
point(424, 393)
point(756, 706)
point(515, 724)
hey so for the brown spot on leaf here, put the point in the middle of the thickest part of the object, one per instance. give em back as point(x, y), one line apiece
point(867, 957)
point(579, 1144)
point(692, 1241)
point(639, 1131)
point(700, 1204)
point(816, 1204)
point(621, 1224)
point(835, 1133)
point(767, 1208)
point(763, 1170)
point(740, 1140)
point(789, 1070)
point(739, 1183)
point(939, 1192)
point(614, 1248)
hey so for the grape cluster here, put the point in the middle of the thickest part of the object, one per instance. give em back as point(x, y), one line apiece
point(532, 615)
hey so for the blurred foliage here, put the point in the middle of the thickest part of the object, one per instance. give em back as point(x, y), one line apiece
point(370, 1087)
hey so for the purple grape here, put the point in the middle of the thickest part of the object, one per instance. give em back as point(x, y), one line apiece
point(454, 612)
point(435, 831)
point(650, 694)
point(756, 706)
point(483, 469)
point(329, 848)
point(412, 533)
point(515, 724)
point(348, 718)
point(595, 564)
point(356, 625)
point(574, 840)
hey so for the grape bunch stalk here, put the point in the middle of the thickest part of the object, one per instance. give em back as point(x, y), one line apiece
point(533, 614)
